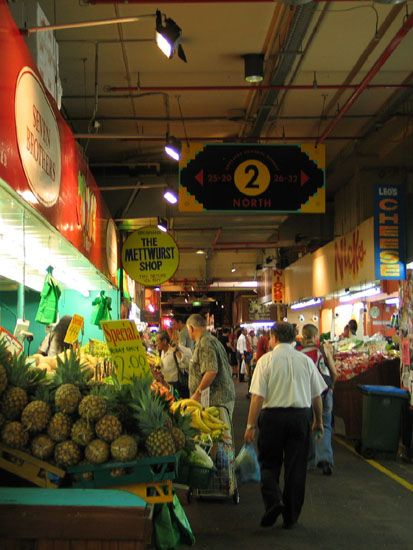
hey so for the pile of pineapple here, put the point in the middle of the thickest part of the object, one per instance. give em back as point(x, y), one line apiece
point(67, 418)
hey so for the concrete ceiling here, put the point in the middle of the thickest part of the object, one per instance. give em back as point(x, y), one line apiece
point(122, 107)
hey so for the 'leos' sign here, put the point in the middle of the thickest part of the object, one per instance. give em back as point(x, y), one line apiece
point(38, 138)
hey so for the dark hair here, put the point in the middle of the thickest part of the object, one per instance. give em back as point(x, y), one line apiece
point(284, 332)
point(352, 325)
point(179, 319)
point(59, 331)
point(163, 335)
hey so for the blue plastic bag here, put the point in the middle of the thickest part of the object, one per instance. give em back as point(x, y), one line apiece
point(246, 465)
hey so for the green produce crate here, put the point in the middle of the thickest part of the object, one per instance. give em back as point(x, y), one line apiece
point(193, 476)
point(144, 470)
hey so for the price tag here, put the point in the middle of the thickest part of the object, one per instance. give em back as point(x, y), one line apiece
point(73, 330)
point(12, 344)
point(126, 349)
point(205, 398)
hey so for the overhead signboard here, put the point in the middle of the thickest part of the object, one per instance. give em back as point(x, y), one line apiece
point(252, 177)
point(150, 256)
point(389, 232)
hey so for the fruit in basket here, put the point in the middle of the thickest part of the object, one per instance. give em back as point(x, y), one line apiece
point(108, 428)
point(14, 435)
point(42, 446)
point(22, 378)
point(124, 448)
point(97, 452)
point(82, 432)
point(69, 370)
point(59, 427)
point(151, 419)
point(67, 454)
point(67, 398)
point(92, 407)
point(35, 416)
point(117, 472)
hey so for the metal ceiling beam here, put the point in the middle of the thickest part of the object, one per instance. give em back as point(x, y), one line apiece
point(387, 52)
point(231, 139)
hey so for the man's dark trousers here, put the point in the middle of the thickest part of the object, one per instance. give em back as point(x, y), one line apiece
point(284, 436)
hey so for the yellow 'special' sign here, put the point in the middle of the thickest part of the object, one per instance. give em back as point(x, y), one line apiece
point(150, 256)
point(76, 325)
point(126, 349)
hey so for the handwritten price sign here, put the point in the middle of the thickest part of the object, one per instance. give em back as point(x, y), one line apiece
point(126, 349)
point(73, 330)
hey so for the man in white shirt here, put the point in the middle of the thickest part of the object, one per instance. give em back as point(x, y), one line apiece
point(284, 386)
point(241, 352)
point(170, 365)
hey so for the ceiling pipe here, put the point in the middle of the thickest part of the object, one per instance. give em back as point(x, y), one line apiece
point(230, 139)
point(192, 1)
point(139, 186)
point(391, 47)
point(242, 87)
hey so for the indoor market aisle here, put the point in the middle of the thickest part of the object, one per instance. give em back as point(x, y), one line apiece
point(357, 507)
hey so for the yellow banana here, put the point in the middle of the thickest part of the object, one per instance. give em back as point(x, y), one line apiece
point(197, 422)
point(212, 422)
point(191, 402)
point(213, 411)
point(216, 434)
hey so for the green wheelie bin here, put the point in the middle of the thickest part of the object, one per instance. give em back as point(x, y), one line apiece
point(381, 423)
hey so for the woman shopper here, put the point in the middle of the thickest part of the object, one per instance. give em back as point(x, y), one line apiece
point(321, 449)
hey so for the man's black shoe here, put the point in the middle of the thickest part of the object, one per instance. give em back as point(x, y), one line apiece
point(271, 515)
point(289, 524)
point(327, 470)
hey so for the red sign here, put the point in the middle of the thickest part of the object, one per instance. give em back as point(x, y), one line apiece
point(278, 286)
point(39, 157)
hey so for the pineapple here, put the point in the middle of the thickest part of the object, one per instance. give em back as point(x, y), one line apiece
point(108, 428)
point(151, 417)
point(97, 452)
point(59, 427)
point(70, 378)
point(92, 407)
point(67, 454)
point(14, 435)
point(67, 398)
point(182, 432)
point(5, 359)
point(42, 446)
point(82, 432)
point(124, 448)
point(22, 378)
point(35, 416)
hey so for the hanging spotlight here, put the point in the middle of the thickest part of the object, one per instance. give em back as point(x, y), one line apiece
point(163, 224)
point(233, 269)
point(168, 37)
point(170, 196)
point(200, 251)
point(173, 148)
point(254, 67)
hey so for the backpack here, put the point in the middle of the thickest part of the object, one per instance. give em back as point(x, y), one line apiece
point(320, 362)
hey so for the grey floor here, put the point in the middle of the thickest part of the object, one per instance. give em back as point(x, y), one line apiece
point(357, 507)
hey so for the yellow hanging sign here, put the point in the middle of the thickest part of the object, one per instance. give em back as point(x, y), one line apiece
point(150, 256)
point(73, 330)
point(126, 349)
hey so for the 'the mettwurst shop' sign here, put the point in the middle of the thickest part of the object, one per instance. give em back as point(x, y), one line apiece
point(150, 256)
point(252, 177)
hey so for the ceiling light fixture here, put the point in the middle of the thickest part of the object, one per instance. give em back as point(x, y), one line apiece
point(200, 251)
point(173, 147)
point(306, 303)
point(168, 36)
point(392, 302)
point(373, 291)
point(254, 67)
point(170, 196)
point(163, 224)
point(233, 269)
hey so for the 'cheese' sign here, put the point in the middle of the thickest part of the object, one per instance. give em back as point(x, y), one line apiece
point(150, 256)
point(389, 232)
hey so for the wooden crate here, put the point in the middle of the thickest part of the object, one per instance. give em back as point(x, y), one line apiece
point(30, 468)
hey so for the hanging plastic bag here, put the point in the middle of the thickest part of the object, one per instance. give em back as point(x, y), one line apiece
point(246, 465)
point(171, 526)
point(243, 369)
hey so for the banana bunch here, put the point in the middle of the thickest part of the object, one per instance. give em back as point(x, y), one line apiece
point(207, 421)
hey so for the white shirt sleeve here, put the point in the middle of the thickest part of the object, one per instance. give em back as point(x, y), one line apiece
point(241, 344)
point(259, 382)
point(318, 386)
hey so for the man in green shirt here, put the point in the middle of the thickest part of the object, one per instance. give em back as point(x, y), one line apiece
point(209, 366)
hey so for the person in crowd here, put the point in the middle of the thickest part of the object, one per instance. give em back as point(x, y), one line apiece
point(284, 386)
point(241, 353)
point(172, 358)
point(209, 367)
point(349, 330)
point(321, 450)
point(178, 325)
point(263, 345)
point(54, 343)
point(232, 347)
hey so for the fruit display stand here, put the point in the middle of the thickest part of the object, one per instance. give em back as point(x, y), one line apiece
point(348, 403)
point(43, 519)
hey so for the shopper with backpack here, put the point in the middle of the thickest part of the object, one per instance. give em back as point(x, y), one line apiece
point(321, 450)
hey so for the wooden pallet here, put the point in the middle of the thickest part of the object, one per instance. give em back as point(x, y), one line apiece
point(30, 468)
